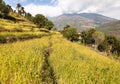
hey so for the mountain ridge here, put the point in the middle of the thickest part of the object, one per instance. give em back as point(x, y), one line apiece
point(111, 28)
point(81, 21)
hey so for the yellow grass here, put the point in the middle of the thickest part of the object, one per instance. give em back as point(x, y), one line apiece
point(77, 64)
point(12, 26)
point(21, 62)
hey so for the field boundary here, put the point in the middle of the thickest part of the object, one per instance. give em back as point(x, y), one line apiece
point(47, 72)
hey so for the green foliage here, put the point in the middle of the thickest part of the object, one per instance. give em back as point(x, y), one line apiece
point(110, 44)
point(66, 27)
point(87, 36)
point(49, 25)
point(111, 39)
point(29, 16)
point(99, 37)
point(42, 22)
point(116, 48)
point(1, 1)
point(104, 46)
point(20, 9)
point(4, 10)
point(70, 33)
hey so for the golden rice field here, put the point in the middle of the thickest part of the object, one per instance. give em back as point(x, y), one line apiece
point(19, 34)
point(22, 62)
point(77, 64)
point(8, 25)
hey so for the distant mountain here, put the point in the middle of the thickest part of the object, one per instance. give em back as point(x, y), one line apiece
point(73, 20)
point(111, 28)
point(81, 21)
point(98, 19)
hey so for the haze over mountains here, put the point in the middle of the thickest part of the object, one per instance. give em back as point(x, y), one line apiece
point(111, 28)
point(81, 21)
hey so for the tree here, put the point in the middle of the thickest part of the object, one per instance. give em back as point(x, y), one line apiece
point(98, 37)
point(104, 46)
point(114, 44)
point(1, 1)
point(4, 10)
point(66, 27)
point(41, 21)
point(49, 25)
point(111, 39)
point(18, 7)
point(70, 33)
point(87, 36)
point(29, 16)
point(116, 48)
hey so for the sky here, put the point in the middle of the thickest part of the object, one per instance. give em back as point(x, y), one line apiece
point(53, 8)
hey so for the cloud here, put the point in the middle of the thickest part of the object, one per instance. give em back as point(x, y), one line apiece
point(46, 10)
point(105, 7)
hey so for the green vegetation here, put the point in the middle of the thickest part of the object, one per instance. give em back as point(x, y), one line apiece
point(70, 33)
point(42, 22)
point(4, 9)
point(20, 9)
point(87, 36)
point(102, 42)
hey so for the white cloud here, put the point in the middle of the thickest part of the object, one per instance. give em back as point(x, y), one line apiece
point(45, 10)
point(107, 7)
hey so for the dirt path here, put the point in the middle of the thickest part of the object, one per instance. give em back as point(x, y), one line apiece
point(47, 73)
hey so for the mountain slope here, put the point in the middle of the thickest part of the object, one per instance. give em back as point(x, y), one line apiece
point(81, 21)
point(111, 28)
point(98, 19)
point(73, 20)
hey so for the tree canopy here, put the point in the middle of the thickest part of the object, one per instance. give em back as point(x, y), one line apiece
point(70, 33)
point(4, 9)
point(42, 22)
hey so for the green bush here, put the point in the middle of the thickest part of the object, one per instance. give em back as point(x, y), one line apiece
point(70, 33)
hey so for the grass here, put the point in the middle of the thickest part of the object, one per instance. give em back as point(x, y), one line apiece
point(7, 37)
point(21, 62)
point(69, 63)
point(77, 64)
point(64, 62)
point(25, 26)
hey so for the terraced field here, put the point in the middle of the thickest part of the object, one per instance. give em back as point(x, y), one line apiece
point(77, 64)
point(55, 60)
point(21, 62)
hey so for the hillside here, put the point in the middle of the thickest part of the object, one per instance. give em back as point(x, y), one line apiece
point(81, 21)
point(97, 18)
point(53, 59)
point(18, 29)
point(19, 23)
point(74, 20)
point(48, 58)
point(31, 55)
point(111, 28)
